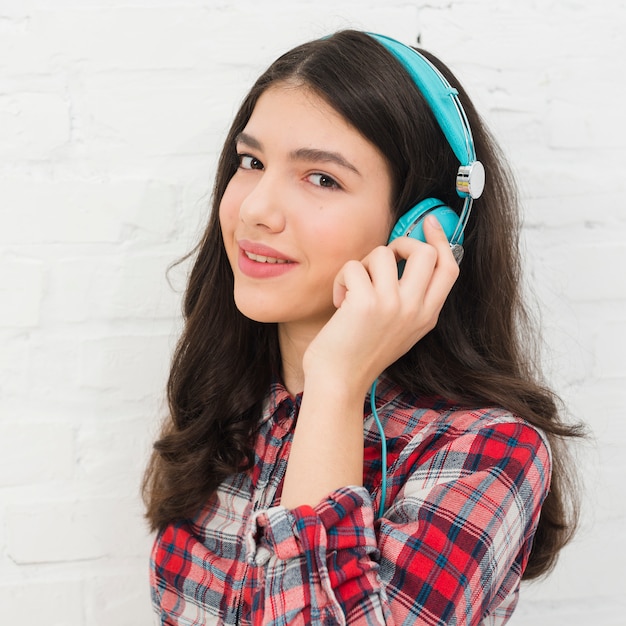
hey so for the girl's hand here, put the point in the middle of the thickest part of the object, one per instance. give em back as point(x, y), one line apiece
point(380, 317)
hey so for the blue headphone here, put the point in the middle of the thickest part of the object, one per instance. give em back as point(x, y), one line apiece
point(444, 102)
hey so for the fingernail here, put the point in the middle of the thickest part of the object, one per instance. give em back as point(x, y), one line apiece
point(433, 221)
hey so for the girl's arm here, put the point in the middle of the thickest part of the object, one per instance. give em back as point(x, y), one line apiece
point(378, 319)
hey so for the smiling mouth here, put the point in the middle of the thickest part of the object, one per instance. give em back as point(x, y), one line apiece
point(259, 258)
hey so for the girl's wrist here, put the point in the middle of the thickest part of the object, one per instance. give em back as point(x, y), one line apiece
point(336, 383)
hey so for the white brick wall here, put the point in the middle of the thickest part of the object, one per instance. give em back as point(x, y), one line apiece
point(111, 114)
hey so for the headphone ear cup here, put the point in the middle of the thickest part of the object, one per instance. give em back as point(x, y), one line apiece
point(411, 223)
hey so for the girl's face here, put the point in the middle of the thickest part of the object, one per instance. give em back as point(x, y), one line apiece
point(310, 194)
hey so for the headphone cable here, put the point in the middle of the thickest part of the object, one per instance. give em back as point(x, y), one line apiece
point(383, 450)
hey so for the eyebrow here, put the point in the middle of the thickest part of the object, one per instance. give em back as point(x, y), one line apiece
point(302, 154)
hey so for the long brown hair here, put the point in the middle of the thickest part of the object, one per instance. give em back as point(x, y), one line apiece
point(478, 354)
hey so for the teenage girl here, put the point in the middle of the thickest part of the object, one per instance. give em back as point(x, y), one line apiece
point(356, 433)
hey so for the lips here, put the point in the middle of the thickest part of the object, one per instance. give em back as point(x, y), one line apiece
point(257, 260)
point(262, 251)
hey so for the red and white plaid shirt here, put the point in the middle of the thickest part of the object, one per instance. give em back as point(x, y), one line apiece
point(464, 491)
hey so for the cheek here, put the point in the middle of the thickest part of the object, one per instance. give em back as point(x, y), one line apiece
point(228, 214)
point(352, 237)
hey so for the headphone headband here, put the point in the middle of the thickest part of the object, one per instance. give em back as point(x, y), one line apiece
point(443, 100)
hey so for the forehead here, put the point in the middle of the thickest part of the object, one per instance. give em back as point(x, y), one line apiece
point(290, 102)
point(295, 116)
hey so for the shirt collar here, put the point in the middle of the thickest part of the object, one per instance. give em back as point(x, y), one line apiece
point(278, 397)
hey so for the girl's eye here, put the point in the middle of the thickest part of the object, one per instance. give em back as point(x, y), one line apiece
point(247, 162)
point(324, 180)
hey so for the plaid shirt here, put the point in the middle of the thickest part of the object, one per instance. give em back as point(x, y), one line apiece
point(464, 491)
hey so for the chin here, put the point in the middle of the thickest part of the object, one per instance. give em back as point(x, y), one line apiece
point(256, 311)
point(281, 312)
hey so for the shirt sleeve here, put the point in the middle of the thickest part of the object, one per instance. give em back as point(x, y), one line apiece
point(450, 549)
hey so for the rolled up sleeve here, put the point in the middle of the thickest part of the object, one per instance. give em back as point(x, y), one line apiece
point(316, 564)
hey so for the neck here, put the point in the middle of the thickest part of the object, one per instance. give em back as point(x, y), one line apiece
point(294, 339)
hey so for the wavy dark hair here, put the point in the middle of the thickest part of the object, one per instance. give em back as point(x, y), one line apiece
point(479, 354)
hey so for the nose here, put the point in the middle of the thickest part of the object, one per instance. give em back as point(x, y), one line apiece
point(262, 206)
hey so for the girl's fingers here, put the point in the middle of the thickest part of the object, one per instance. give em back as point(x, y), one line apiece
point(381, 265)
point(429, 274)
point(352, 276)
point(447, 268)
point(433, 263)
point(377, 271)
